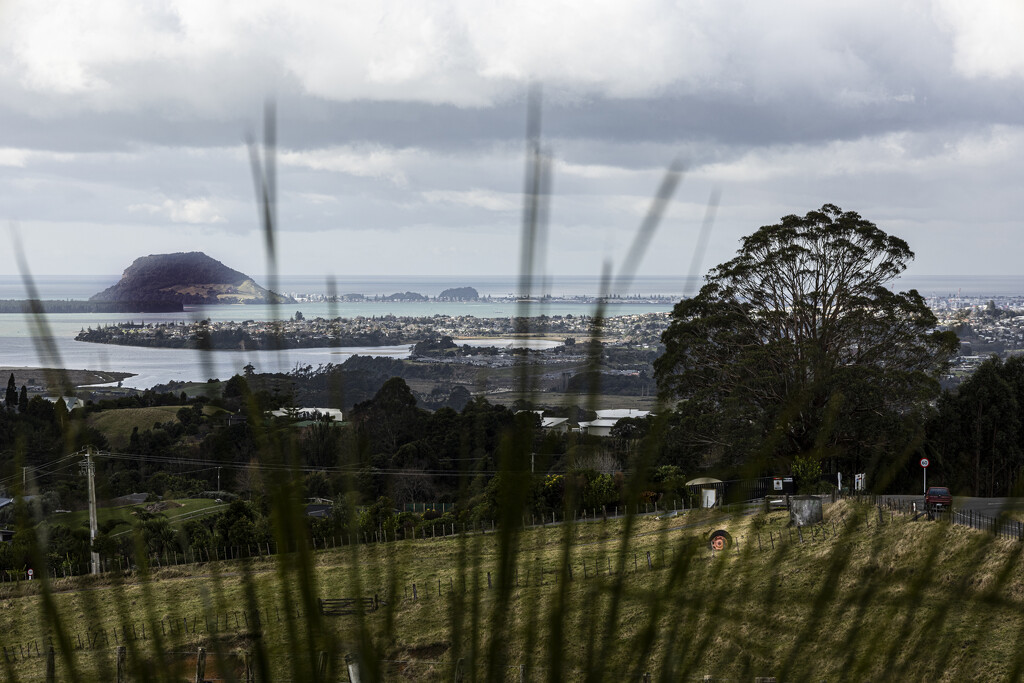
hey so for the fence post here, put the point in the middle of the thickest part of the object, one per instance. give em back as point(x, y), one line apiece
point(201, 665)
point(122, 669)
point(353, 668)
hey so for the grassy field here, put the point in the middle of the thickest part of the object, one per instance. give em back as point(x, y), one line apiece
point(117, 425)
point(187, 508)
point(862, 597)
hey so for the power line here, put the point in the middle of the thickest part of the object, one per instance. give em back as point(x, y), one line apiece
point(266, 467)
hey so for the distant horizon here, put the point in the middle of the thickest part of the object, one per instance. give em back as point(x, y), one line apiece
point(408, 275)
point(83, 286)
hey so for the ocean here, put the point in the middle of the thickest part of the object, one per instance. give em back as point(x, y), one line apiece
point(84, 286)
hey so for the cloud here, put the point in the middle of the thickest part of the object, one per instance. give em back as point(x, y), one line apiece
point(482, 199)
point(209, 57)
point(403, 118)
point(10, 156)
point(13, 156)
point(986, 37)
point(368, 161)
point(194, 211)
point(907, 153)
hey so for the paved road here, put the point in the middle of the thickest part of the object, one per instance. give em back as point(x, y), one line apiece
point(986, 506)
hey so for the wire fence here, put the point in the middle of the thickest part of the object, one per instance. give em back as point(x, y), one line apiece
point(122, 565)
point(1000, 525)
point(583, 566)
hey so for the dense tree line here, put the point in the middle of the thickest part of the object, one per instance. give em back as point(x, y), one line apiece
point(976, 437)
point(391, 451)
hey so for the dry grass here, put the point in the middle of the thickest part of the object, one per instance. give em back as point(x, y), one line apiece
point(857, 598)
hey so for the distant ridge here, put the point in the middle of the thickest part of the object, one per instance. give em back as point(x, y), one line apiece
point(189, 278)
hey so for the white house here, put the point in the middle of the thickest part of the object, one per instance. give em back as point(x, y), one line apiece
point(606, 419)
point(555, 424)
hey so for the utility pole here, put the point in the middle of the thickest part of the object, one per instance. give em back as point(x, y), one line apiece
point(90, 473)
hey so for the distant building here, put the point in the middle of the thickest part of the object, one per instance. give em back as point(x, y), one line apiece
point(71, 402)
point(559, 425)
point(318, 510)
point(598, 427)
point(325, 414)
point(606, 419)
point(318, 507)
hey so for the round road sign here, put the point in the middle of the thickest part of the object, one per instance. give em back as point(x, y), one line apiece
point(924, 462)
point(30, 573)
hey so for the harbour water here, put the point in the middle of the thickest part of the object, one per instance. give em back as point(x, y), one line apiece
point(20, 338)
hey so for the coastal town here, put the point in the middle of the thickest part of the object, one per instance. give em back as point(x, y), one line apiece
point(387, 330)
point(986, 326)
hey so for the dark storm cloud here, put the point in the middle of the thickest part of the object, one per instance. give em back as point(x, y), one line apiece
point(731, 119)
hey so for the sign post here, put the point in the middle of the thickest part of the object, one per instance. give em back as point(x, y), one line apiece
point(924, 469)
point(30, 574)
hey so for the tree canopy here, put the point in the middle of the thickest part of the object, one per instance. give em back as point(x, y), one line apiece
point(976, 438)
point(798, 346)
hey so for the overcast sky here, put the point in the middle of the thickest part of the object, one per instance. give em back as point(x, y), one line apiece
point(401, 128)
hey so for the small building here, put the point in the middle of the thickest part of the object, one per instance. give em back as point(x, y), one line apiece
point(599, 427)
point(319, 510)
point(619, 413)
point(606, 419)
point(318, 507)
point(71, 402)
point(711, 490)
point(559, 425)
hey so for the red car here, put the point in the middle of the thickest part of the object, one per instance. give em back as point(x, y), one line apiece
point(937, 498)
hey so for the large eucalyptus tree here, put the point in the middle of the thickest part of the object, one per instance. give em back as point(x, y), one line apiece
point(798, 347)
